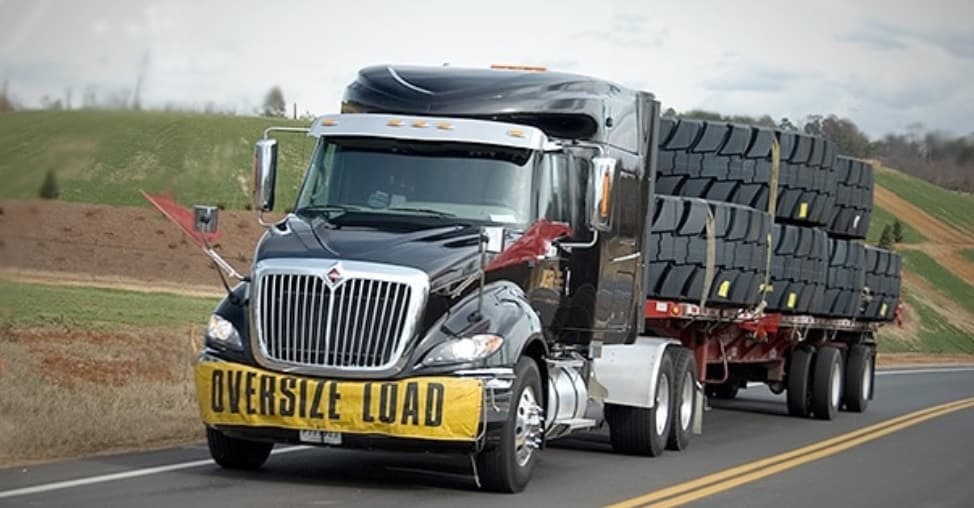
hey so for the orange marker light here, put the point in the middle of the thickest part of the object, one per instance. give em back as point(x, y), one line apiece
point(515, 133)
point(329, 122)
point(604, 205)
point(395, 122)
point(444, 126)
point(419, 123)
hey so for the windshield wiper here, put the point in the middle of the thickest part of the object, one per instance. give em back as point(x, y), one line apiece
point(427, 211)
point(328, 208)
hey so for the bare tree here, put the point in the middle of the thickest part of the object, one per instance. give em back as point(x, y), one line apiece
point(274, 104)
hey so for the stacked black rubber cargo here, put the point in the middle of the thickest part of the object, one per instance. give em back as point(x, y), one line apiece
point(713, 240)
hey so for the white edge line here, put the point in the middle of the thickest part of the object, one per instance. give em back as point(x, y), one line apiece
point(135, 473)
point(923, 371)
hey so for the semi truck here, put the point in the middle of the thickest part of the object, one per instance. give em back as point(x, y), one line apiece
point(467, 269)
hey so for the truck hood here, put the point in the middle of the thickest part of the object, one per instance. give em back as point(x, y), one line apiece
point(444, 251)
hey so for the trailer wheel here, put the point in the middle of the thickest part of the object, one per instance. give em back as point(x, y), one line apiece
point(233, 453)
point(799, 382)
point(827, 383)
point(639, 430)
point(858, 378)
point(508, 466)
point(684, 398)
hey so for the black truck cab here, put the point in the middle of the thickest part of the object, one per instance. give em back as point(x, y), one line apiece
point(463, 246)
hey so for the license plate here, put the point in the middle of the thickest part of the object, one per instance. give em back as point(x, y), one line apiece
point(440, 408)
point(320, 437)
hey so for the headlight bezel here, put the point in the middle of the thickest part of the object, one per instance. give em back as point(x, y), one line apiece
point(222, 334)
point(461, 350)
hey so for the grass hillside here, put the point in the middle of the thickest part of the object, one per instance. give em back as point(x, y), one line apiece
point(938, 255)
point(108, 156)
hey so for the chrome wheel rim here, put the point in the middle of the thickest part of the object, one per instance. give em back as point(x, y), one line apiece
point(662, 403)
point(836, 384)
point(686, 401)
point(527, 426)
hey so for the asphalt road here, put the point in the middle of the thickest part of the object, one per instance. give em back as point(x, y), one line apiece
point(930, 463)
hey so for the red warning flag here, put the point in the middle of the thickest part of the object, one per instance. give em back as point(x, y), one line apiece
point(182, 217)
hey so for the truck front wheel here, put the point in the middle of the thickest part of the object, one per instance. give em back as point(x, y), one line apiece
point(233, 453)
point(508, 466)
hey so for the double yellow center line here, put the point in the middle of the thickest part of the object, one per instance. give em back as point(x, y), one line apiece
point(736, 476)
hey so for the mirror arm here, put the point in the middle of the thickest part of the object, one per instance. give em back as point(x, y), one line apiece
point(267, 131)
point(586, 144)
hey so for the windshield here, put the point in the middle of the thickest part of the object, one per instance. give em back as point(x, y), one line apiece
point(381, 175)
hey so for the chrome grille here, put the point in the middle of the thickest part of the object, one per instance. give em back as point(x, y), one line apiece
point(357, 323)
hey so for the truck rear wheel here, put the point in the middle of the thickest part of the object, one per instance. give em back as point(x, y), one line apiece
point(827, 383)
point(684, 398)
point(799, 382)
point(858, 378)
point(640, 430)
point(508, 466)
point(233, 453)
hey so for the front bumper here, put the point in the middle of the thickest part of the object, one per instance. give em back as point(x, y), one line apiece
point(458, 412)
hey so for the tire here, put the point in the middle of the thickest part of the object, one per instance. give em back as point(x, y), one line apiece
point(727, 162)
point(859, 371)
point(723, 391)
point(827, 383)
point(853, 198)
point(502, 468)
point(806, 179)
point(800, 382)
point(799, 266)
point(684, 397)
point(637, 430)
point(845, 279)
point(677, 252)
point(233, 453)
point(882, 281)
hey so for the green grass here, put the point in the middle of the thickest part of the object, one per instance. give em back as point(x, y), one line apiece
point(969, 254)
point(954, 208)
point(881, 218)
point(935, 334)
point(943, 281)
point(108, 156)
point(42, 305)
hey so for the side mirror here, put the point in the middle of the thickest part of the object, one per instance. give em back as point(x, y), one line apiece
point(205, 218)
point(603, 173)
point(265, 175)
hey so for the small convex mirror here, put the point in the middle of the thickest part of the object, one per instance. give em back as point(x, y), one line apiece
point(265, 175)
point(603, 176)
point(205, 218)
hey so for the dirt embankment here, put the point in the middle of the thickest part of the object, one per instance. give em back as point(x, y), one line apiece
point(944, 241)
point(126, 247)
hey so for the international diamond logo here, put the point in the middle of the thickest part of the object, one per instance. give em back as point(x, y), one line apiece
point(335, 275)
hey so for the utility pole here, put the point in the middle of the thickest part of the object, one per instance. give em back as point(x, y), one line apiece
point(294, 113)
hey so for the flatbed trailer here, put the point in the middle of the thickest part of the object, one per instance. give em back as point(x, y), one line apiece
point(734, 346)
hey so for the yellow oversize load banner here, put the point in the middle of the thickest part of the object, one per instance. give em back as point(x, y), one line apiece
point(443, 408)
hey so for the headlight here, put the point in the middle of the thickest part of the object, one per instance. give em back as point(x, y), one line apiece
point(221, 334)
point(464, 350)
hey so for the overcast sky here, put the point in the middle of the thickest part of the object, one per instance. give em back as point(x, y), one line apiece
point(886, 64)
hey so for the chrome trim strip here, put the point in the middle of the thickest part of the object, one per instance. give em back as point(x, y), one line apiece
point(356, 275)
